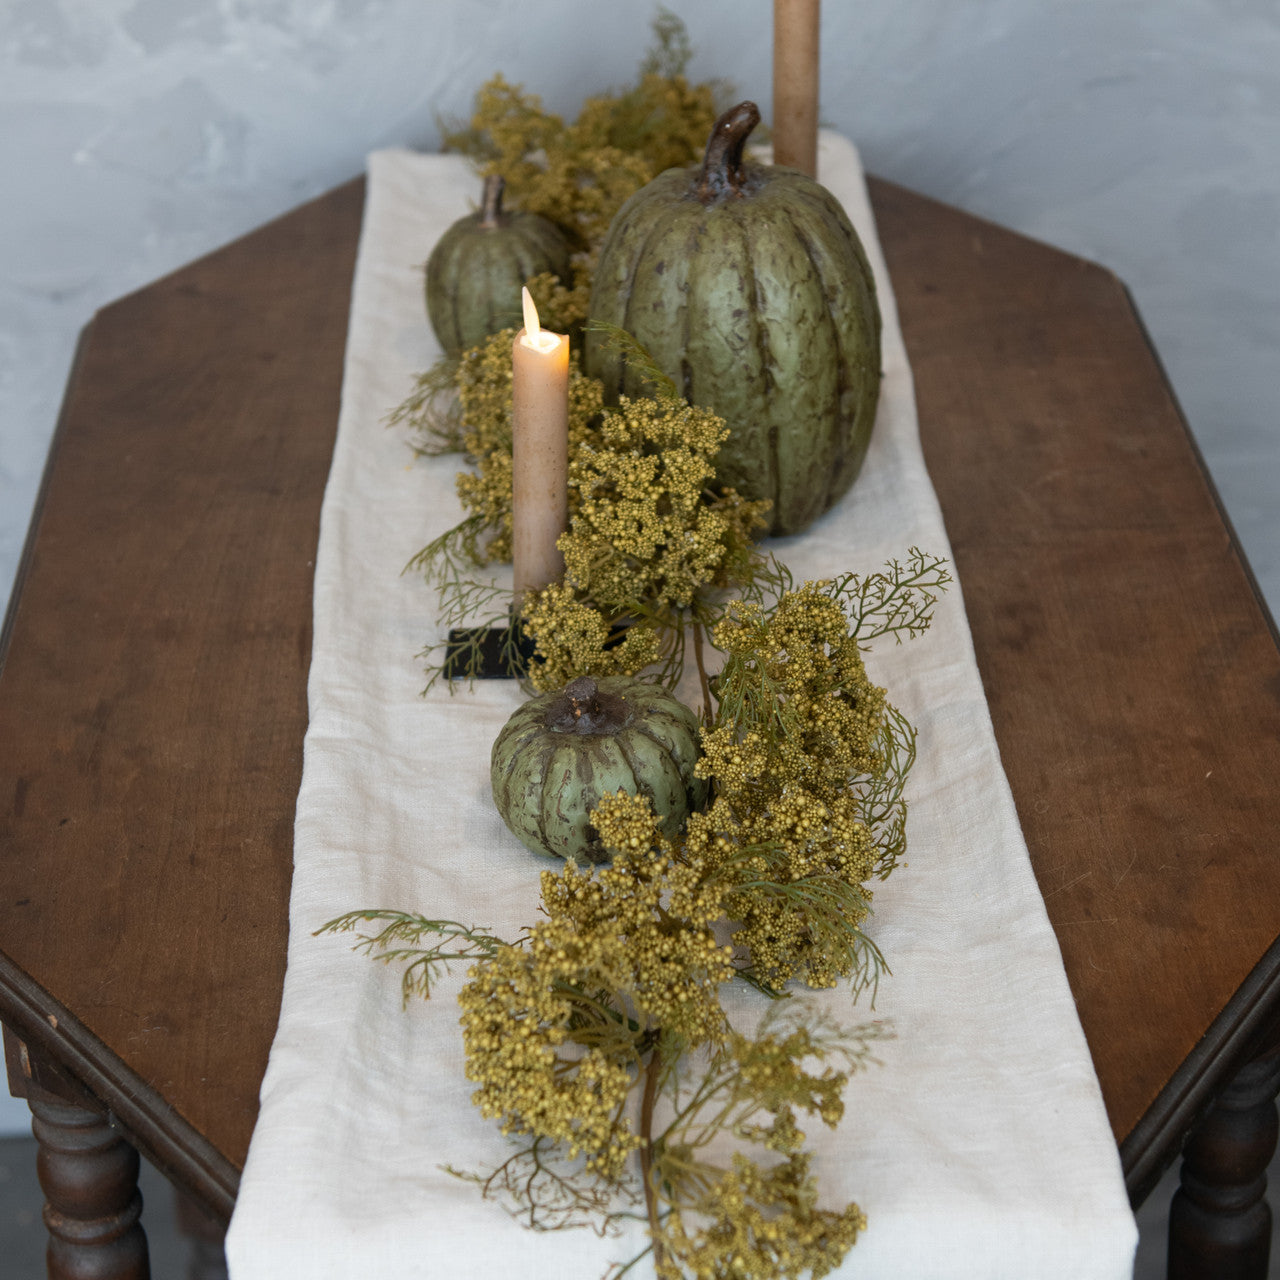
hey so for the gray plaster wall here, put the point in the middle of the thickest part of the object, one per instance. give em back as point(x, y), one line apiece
point(1145, 134)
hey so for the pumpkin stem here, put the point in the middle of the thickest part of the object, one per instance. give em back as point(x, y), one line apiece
point(722, 172)
point(583, 708)
point(491, 202)
point(582, 696)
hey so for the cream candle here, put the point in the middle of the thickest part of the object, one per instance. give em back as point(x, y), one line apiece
point(540, 452)
point(795, 84)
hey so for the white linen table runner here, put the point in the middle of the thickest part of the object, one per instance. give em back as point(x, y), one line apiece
point(977, 1147)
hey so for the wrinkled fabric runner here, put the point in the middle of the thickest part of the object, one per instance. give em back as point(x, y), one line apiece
point(977, 1147)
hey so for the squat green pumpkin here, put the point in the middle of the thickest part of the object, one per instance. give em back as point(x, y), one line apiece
point(476, 270)
point(749, 287)
point(560, 752)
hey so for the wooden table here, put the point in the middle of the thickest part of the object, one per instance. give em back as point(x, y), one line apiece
point(152, 709)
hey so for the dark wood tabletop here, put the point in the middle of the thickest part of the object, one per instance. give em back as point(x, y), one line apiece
point(153, 692)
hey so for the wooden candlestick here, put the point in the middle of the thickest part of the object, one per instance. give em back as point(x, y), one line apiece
point(540, 453)
point(795, 84)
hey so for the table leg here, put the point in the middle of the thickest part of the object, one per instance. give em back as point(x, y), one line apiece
point(89, 1175)
point(88, 1172)
point(1219, 1220)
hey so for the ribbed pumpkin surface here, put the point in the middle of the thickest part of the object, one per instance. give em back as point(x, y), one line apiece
point(475, 274)
point(760, 305)
point(546, 782)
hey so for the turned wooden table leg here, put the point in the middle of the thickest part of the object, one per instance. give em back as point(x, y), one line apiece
point(88, 1172)
point(1219, 1221)
point(89, 1175)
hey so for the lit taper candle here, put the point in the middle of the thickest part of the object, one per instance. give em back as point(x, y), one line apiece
point(540, 452)
point(795, 84)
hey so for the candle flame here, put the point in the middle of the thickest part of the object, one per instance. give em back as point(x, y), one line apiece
point(533, 333)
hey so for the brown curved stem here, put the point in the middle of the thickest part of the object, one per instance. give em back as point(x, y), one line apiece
point(702, 671)
point(722, 172)
point(582, 696)
point(653, 1069)
point(491, 201)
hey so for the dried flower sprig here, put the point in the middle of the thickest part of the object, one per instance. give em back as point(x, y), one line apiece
point(579, 174)
point(809, 762)
point(650, 540)
point(614, 994)
point(755, 1218)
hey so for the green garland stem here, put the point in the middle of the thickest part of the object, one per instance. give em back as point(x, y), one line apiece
point(702, 670)
point(653, 1069)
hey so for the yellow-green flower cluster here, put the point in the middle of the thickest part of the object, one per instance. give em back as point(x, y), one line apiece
point(771, 1072)
point(524, 1046)
point(799, 724)
point(659, 915)
point(619, 982)
point(802, 658)
point(577, 639)
point(580, 174)
point(562, 307)
point(648, 527)
point(647, 535)
point(757, 1222)
point(749, 1219)
point(554, 1028)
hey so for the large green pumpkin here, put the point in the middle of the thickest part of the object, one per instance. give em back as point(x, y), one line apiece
point(478, 267)
point(560, 752)
point(748, 286)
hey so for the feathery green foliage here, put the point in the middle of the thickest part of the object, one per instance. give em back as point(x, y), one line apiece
point(399, 938)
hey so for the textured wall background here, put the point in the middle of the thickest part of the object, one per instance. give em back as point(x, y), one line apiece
point(1145, 134)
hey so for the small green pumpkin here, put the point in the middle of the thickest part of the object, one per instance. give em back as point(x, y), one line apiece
point(560, 752)
point(476, 270)
point(748, 286)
